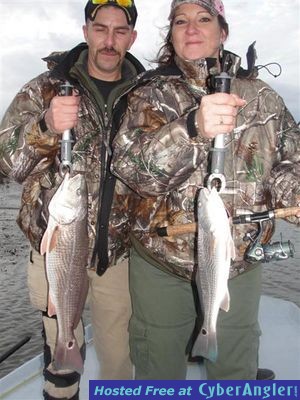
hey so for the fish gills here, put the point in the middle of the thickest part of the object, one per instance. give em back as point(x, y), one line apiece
point(215, 251)
point(65, 243)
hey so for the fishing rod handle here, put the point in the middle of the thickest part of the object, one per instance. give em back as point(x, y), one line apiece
point(176, 230)
point(286, 212)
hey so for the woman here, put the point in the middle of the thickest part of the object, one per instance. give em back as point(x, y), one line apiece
point(162, 152)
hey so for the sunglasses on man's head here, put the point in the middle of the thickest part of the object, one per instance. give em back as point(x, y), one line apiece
point(121, 3)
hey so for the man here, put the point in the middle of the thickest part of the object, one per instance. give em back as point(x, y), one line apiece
point(162, 152)
point(101, 71)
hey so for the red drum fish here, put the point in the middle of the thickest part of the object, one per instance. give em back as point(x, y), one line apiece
point(215, 251)
point(65, 243)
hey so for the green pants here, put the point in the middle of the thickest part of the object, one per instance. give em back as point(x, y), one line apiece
point(163, 321)
point(238, 330)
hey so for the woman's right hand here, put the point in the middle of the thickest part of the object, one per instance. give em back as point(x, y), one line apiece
point(217, 114)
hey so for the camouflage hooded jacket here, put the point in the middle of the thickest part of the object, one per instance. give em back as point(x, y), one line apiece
point(161, 155)
point(29, 155)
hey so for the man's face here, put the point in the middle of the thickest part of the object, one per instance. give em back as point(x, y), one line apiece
point(109, 37)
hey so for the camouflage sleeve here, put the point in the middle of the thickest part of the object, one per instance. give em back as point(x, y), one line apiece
point(23, 145)
point(284, 181)
point(154, 151)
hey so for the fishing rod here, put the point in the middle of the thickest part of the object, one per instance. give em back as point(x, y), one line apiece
point(66, 89)
point(175, 230)
point(216, 178)
point(256, 251)
point(14, 348)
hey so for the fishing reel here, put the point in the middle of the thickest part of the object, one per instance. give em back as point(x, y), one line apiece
point(259, 252)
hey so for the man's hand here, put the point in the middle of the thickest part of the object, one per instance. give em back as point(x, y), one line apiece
point(62, 113)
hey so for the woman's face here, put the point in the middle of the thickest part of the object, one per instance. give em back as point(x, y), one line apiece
point(195, 33)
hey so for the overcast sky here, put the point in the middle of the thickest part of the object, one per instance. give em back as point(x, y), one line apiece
point(30, 30)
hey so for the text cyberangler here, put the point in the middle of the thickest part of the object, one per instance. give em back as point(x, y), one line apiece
point(204, 390)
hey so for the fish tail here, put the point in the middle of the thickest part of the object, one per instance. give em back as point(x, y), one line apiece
point(206, 345)
point(67, 356)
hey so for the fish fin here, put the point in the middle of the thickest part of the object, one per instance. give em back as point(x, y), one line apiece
point(67, 356)
point(53, 239)
point(51, 310)
point(232, 250)
point(43, 246)
point(206, 345)
point(213, 247)
point(49, 240)
point(225, 304)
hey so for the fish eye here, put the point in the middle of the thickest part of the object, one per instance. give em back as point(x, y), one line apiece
point(78, 192)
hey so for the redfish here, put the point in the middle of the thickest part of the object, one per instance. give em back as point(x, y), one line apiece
point(215, 251)
point(65, 243)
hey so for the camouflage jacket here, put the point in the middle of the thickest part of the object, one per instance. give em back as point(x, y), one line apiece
point(160, 154)
point(30, 156)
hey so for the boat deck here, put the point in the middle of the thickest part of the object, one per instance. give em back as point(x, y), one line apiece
point(279, 351)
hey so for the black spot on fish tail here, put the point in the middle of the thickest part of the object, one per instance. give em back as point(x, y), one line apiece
point(206, 345)
point(68, 356)
point(70, 345)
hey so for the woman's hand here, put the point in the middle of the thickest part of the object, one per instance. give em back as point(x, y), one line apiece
point(217, 114)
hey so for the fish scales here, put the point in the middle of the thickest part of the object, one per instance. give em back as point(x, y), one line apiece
point(67, 279)
point(65, 243)
point(214, 252)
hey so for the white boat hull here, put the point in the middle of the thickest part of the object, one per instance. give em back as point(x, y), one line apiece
point(279, 351)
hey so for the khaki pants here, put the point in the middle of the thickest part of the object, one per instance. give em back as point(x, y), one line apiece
point(110, 306)
point(110, 309)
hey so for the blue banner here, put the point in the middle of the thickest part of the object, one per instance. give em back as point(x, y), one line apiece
point(194, 390)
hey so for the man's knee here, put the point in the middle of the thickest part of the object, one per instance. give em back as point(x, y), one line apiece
point(37, 281)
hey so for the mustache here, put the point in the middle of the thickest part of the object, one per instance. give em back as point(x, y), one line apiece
point(110, 50)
